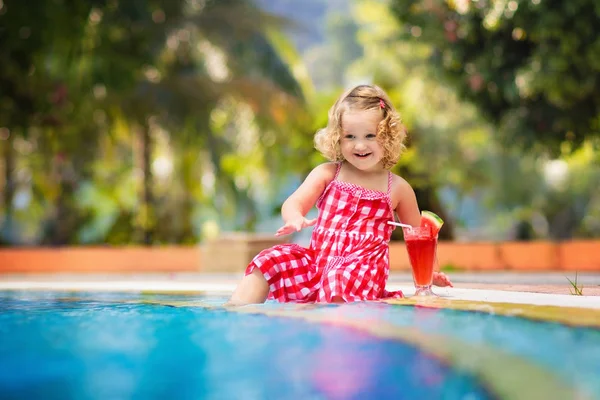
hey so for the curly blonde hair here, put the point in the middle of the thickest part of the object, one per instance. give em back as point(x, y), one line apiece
point(390, 131)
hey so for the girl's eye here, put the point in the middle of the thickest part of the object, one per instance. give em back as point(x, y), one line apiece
point(371, 136)
point(349, 136)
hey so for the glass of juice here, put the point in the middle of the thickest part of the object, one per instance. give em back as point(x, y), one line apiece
point(421, 245)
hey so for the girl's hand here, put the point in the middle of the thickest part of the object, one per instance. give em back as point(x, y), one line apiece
point(295, 225)
point(441, 279)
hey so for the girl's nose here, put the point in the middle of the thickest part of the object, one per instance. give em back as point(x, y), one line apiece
point(360, 146)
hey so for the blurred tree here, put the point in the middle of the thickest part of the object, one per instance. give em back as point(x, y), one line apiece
point(34, 100)
point(227, 83)
point(147, 67)
point(531, 67)
point(217, 54)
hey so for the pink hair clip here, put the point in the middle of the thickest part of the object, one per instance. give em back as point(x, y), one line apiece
point(381, 103)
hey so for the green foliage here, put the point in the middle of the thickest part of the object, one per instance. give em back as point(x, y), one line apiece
point(531, 67)
point(106, 89)
point(159, 121)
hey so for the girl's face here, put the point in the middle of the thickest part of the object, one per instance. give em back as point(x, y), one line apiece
point(359, 139)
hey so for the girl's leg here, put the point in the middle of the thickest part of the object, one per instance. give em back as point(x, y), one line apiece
point(337, 299)
point(252, 289)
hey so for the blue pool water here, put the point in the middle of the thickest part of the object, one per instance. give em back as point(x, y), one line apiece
point(114, 346)
point(51, 348)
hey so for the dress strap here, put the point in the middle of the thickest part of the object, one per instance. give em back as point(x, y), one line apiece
point(389, 193)
point(337, 171)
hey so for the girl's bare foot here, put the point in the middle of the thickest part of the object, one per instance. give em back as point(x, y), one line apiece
point(441, 279)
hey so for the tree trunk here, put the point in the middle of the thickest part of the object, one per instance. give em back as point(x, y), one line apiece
point(187, 166)
point(9, 190)
point(147, 194)
point(61, 227)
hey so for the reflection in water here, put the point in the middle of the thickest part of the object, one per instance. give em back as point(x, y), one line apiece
point(344, 366)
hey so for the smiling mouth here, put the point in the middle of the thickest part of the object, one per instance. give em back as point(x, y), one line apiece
point(362, 155)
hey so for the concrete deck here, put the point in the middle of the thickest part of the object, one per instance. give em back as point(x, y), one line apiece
point(552, 289)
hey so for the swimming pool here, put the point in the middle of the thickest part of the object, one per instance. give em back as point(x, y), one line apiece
point(121, 346)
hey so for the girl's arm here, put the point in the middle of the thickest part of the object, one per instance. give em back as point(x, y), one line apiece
point(304, 198)
point(407, 208)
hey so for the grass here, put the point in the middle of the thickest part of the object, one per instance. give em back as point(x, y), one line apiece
point(576, 289)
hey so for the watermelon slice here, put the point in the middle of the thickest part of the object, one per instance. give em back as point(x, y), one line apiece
point(432, 221)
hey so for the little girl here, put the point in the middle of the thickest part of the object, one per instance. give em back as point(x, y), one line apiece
point(356, 195)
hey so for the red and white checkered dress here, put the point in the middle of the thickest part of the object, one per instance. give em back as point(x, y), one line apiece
point(348, 254)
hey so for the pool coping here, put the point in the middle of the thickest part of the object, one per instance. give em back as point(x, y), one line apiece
point(224, 287)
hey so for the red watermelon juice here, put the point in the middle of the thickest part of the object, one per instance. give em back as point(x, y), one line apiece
point(421, 246)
